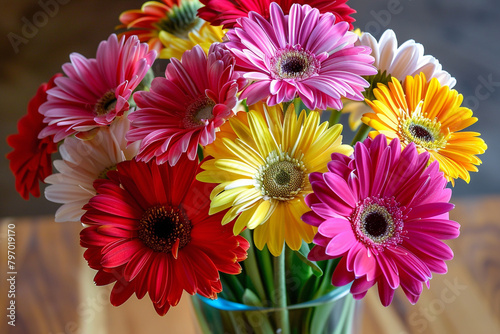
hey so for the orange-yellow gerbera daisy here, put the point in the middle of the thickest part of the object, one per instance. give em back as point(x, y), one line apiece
point(262, 165)
point(429, 115)
point(176, 17)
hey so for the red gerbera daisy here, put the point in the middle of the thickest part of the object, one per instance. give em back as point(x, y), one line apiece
point(150, 232)
point(30, 160)
point(225, 12)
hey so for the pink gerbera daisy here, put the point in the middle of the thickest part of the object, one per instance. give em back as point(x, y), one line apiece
point(186, 107)
point(226, 12)
point(304, 53)
point(149, 231)
point(95, 91)
point(383, 211)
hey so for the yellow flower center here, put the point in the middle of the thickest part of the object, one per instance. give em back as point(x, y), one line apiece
point(422, 131)
point(282, 177)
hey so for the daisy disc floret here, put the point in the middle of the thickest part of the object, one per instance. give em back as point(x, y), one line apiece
point(261, 165)
point(431, 116)
point(303, 54)
point(186, 107)
point(384, 212)
point(149, 232)
point(95, 91)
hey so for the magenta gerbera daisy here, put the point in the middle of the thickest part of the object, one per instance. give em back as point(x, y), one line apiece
point(186, 107)
point(95, 91)
point(149, 231)
point(383, 211)
point(304, 54)
point(226, 12)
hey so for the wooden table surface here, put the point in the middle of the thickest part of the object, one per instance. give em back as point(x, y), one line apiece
point(55, 294)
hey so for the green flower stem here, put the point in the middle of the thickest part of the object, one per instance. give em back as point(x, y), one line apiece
point(232, 291)
point(361, 134)
point(264, 260)
point(334, 117)
point(227, 290)
point(326, 279)
point(260, 318)
point(251, 267)
point(346, 318)
point(236, 286)
point(279, 296)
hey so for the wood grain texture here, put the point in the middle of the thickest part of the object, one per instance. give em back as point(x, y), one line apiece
point(55, 293)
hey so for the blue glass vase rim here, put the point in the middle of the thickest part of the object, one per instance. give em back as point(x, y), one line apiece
point(226, 305)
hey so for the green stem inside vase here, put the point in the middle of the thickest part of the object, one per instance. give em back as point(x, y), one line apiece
point(279, 297)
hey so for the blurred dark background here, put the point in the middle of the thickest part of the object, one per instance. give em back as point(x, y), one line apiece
point(464, 35)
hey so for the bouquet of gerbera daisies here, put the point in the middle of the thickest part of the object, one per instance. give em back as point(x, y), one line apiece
point(218, 177)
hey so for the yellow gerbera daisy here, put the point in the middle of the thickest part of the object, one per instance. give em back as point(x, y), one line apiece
point(429, 115)
point(205, 35)
point(262, 166)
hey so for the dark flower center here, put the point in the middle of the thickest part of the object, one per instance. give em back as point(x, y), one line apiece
point(282, 180)
point(290, 63)
point(198, 112)
point(424, 132)
point(105, 104)
point(376, 223)
point(420, 132)
point(293, 66)
point(164, 229)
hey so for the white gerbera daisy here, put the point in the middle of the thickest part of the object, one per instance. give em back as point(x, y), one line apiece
point(394, 61)
point(84, 161)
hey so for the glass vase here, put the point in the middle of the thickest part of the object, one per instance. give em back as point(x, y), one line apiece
point(331, 313)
